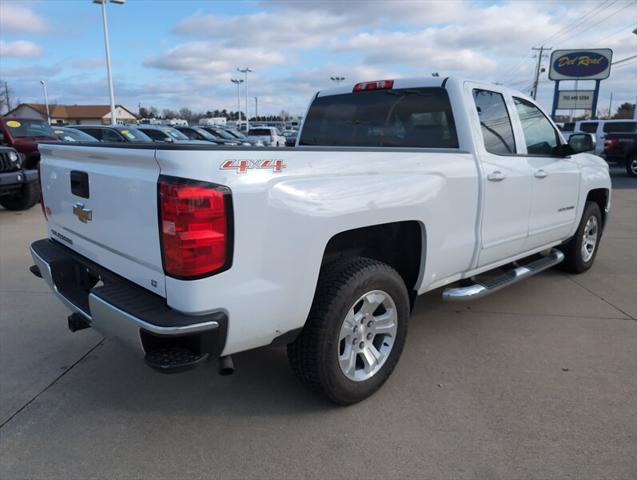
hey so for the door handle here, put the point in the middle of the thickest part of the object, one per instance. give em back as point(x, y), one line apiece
point(496, 176)
point(540, 174)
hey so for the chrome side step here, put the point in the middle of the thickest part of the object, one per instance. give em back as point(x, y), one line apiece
point(483, 288)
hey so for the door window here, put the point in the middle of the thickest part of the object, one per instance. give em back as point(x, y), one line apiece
point(588, 127)
point(540, 136)
point(495, 122)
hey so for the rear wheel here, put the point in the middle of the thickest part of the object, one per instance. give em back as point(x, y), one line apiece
point(631, 167)
point(581, 250)
point(22, 200)
point(355, 332)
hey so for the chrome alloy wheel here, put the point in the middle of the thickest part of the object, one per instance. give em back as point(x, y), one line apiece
point(589, 239)
point(367, 335)
point(633, 166)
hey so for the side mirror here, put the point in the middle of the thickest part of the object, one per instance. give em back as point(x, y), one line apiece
point(582, 142)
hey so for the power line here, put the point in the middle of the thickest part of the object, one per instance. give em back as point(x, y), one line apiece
point(578, 21)
point(597, 23)
point(617, 62)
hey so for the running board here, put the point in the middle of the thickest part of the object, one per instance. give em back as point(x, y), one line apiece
point(484, 288)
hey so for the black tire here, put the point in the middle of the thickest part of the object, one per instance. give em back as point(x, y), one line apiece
point(631, 167)
point(575, 261)
point(314, 354)
point(25, 199)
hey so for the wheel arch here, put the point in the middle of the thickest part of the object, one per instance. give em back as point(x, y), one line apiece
point(401, 245)
point(601, 197)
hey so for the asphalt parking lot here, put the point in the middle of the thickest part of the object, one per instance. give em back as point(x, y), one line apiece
point(536, 381)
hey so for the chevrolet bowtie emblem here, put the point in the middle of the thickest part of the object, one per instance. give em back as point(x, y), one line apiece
point(82, 213)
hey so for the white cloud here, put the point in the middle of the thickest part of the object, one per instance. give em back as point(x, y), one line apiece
point(19, 48)
point(208, 63)
point(267, 30)
point(15, 18)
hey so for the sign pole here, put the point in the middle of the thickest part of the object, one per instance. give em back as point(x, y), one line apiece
point(556, 94)
point(595, 98)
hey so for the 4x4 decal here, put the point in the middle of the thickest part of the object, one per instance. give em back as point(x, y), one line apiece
point(242, 166)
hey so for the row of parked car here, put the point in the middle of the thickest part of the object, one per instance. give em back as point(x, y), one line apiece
point(616, 140)
point(257, 136)
point(19, 139)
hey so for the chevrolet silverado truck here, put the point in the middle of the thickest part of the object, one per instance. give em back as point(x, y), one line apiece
point(395, 188)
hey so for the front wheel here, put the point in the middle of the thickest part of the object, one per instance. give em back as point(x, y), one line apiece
point(355, 331)
point(580, 251)
point(631, 167)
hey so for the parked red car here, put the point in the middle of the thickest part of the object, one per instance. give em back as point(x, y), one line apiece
point(24, 134)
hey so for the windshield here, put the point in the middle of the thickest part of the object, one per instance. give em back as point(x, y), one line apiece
point(205, 134)
point(72, 135)
point(259, 132)
point(223, 134)
point(134, 135)
point(236, 133)
point(174, 133)
point(29, 128)
point(409, 117)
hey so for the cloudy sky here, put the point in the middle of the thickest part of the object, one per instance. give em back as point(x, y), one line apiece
point(170, 53)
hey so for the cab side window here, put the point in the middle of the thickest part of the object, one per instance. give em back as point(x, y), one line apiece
point(540, 136)
point(495, 122)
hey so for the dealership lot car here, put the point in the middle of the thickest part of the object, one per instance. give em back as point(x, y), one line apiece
point(164, 134)
point(115, 134)
point(24, 134)
point(352, 251)
point(268, 136)
point(18, 185)
point(67, 134)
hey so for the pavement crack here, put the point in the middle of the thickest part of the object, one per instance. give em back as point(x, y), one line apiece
point(55, 380)
point(601, 298)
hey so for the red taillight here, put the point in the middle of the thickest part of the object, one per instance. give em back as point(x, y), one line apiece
point(609, 144)
point(375, 85)
point(194, 222)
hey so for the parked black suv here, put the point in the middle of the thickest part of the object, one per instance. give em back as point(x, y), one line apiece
point(18, 186)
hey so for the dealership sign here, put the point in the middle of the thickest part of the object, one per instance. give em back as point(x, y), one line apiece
point(575, 99)
point(581, 64)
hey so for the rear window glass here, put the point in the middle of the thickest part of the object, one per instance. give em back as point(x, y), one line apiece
point(259, 132)
point(620, 127)
point(29, 128)
point(410, 117)
point(590, 127)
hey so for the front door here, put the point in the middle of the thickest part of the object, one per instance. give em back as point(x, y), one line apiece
point(555, 180)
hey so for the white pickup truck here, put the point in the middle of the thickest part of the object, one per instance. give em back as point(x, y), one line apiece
point(395, 188)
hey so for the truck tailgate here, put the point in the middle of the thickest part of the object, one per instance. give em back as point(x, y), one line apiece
point(102, 203)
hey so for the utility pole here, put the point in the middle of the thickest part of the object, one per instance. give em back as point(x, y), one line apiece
point(610, 105)
point(536, 80)
point(245, 72)
point(6, 96)
point(109, 73)
point(256, 108)
point(238, 82)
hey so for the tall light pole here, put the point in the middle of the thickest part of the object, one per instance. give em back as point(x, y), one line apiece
point(108, 56)
point(46, 101)
point(337, 79)
point(245, 72)
point(238, 82)
point(256, 108)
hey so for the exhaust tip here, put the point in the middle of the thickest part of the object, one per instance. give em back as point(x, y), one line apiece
point(226, 366)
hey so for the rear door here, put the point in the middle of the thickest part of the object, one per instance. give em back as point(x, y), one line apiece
point(555, 180)
point(506, 179)
point(102, 203)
